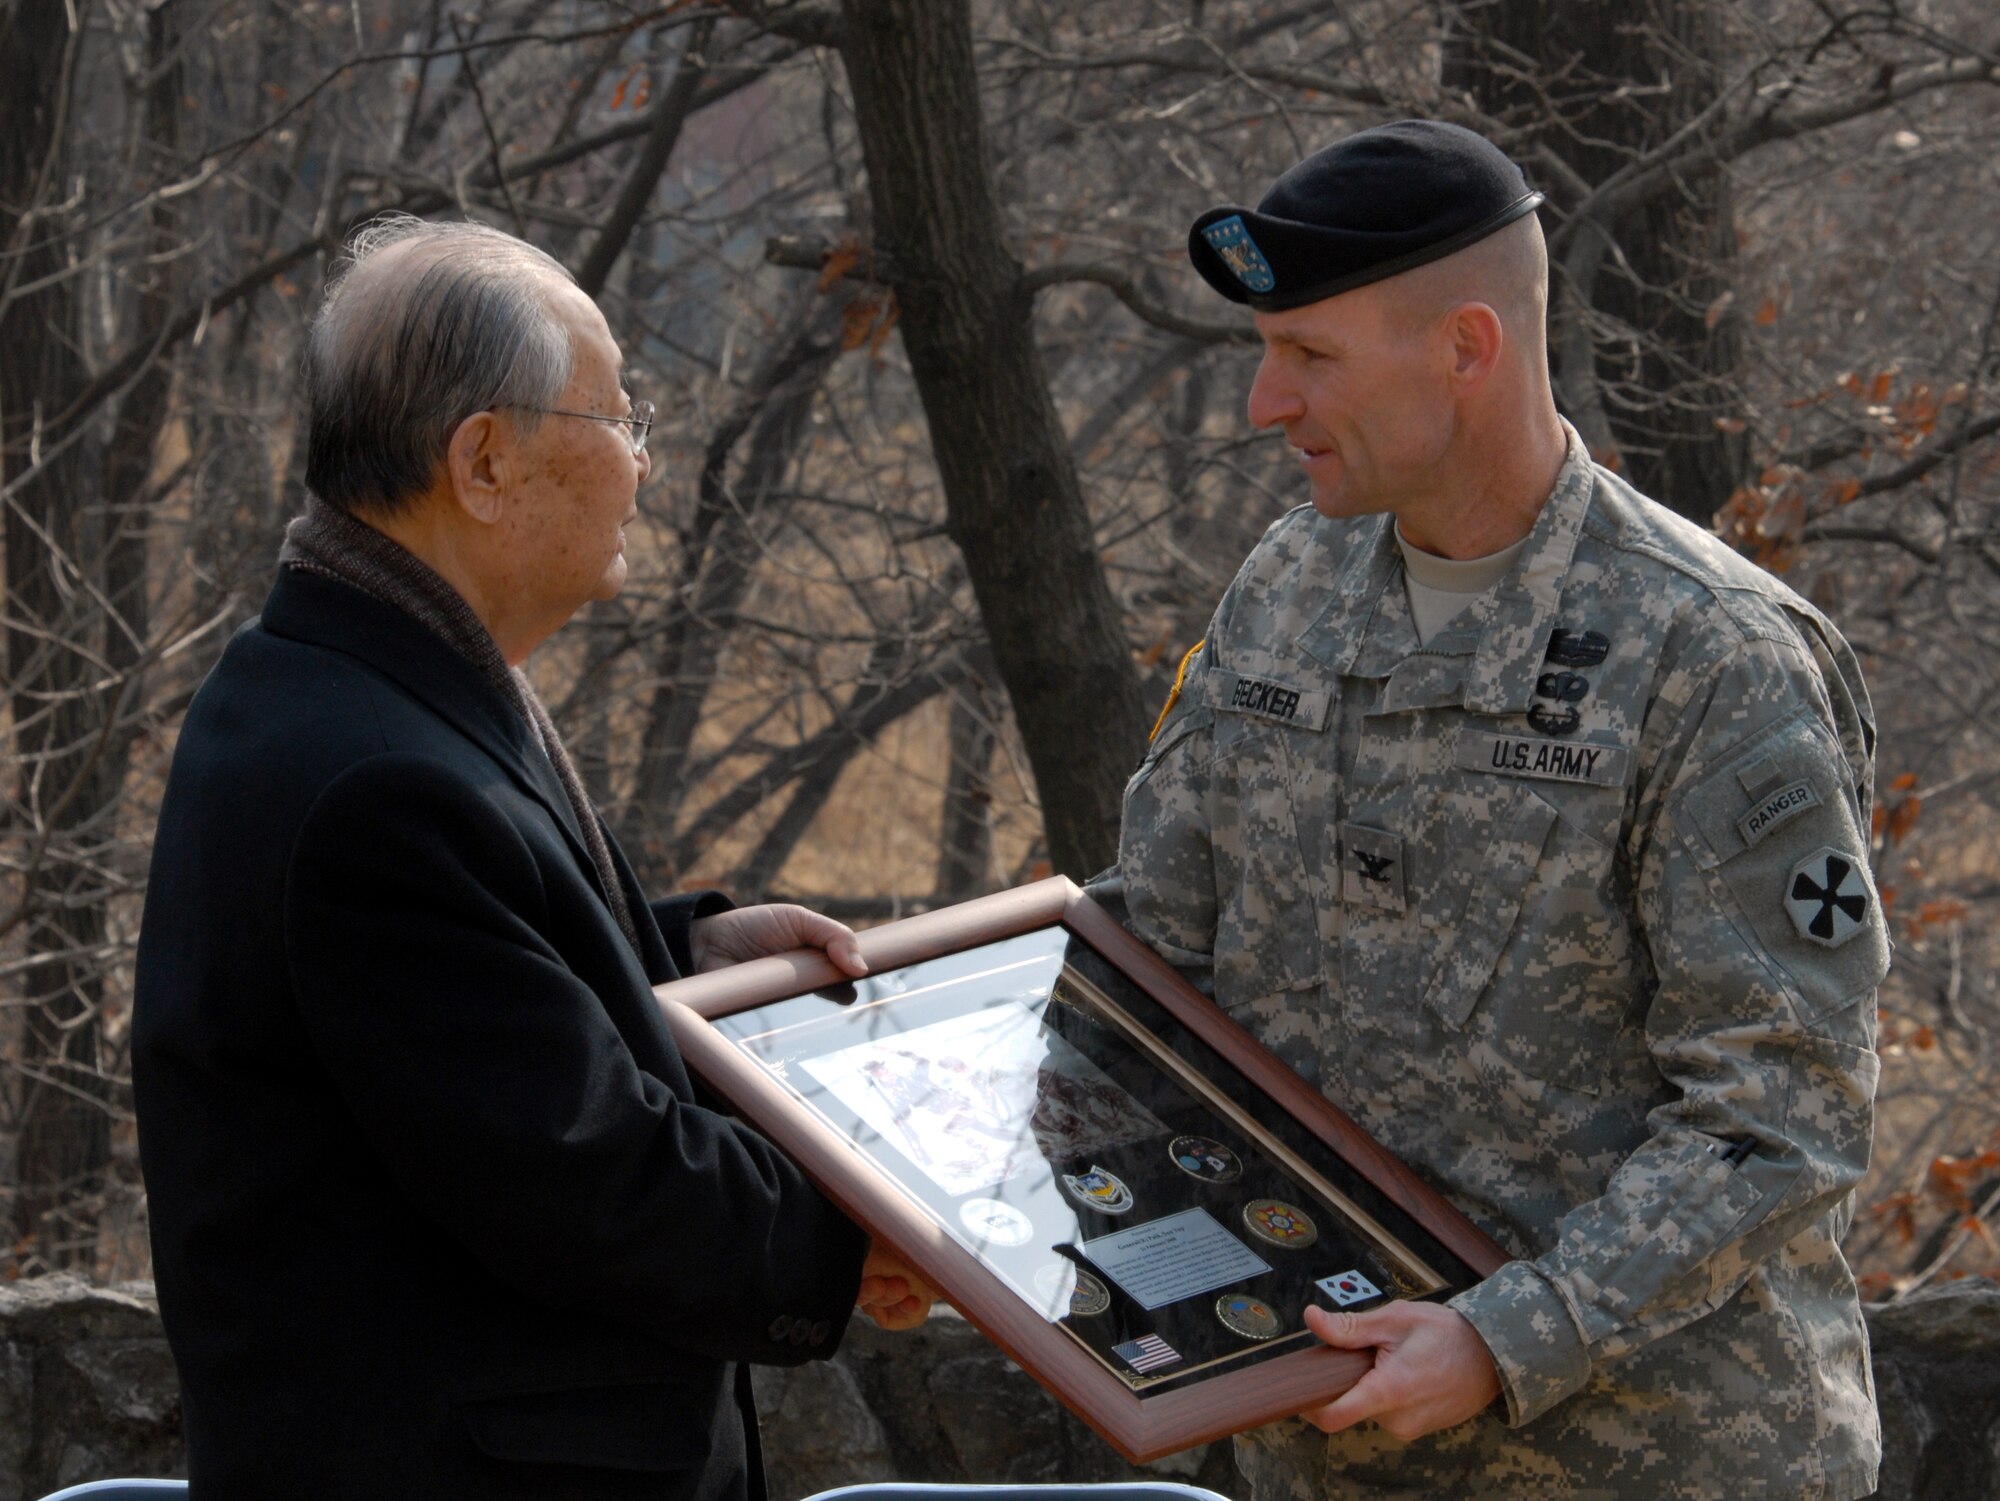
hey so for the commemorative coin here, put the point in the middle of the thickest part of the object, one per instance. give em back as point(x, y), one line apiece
point(1206, 1159)
point(1086, 1295)
point(995, 1223)
point(1250, 1317)
point(1277, 1223)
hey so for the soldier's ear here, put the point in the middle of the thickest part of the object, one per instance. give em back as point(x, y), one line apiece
point(1476, 336)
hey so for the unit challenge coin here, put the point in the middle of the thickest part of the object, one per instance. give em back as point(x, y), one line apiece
point(1277, 1223)
point(1206, 1159)
point(1250, 1317)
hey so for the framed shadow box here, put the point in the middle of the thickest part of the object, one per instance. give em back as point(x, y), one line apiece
point(1106, 1175)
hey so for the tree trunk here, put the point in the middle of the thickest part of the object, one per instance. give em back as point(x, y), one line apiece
point(1597, 85)
point(52, 544)
point(720, 554)
point(1014, 504)
point(965, 823)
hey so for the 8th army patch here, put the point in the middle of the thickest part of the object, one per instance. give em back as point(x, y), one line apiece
point(1827, 897)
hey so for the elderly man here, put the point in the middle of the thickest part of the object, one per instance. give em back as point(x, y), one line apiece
point(436, 1209)
point(1532, 824)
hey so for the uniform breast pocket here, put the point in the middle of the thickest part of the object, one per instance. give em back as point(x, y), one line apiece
point(1538, 972)
point(1267, 912)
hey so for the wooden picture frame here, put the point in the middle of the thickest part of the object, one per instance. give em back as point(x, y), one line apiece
point(1144, 1143)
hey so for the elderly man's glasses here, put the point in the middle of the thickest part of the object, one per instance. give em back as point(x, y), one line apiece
point(641, 420)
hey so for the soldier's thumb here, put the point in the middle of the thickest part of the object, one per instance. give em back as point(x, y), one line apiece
point(1345, 1331)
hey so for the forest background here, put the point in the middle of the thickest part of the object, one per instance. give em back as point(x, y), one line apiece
point(952, 463)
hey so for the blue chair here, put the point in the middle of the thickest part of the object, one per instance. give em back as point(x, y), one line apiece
point(1116, 1490)
point(124, 1490)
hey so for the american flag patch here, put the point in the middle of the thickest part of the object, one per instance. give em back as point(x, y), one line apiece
point(1146, 1353)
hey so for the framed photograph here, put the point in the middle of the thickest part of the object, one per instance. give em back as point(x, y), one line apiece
point(1106, 1175)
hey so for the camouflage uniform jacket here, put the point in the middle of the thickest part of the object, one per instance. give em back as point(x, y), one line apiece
point(1561, 963)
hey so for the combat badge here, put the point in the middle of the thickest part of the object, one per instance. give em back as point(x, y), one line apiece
point(1210, 1161)
point(1277, 1223)
point(1577, 648)
point(1230, 239)
point(1099, 1190)
point(1250, 1317)
point(1348, 1288)
point(1827, 897)
point(1371, 867)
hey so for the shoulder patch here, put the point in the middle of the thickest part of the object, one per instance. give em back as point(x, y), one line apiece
point(1180, 681)
point(1827, 897)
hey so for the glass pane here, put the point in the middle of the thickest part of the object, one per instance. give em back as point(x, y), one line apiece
point(1110, 1168)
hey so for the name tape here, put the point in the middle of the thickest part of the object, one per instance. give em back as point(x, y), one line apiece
point(1236, 694)
point(1554, 760)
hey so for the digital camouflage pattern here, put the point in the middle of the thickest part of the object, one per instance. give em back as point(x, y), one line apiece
point(1525, 902)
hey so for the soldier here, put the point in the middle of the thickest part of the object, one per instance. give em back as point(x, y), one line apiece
point(1529, 822)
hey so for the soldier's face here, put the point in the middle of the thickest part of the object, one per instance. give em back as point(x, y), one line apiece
point(1358, 387)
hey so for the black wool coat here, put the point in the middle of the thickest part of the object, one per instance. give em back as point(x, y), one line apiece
point(436, 1210)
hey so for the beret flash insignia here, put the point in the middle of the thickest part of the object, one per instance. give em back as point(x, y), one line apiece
point(1231, 239)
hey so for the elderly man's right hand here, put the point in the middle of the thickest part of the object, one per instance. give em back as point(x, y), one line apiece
point(746, 933)
point(891, 1294)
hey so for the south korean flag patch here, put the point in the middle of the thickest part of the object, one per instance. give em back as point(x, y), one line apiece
point(1828, 897)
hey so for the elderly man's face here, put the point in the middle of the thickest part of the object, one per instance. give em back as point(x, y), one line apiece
point(1360, 394)
point(578, 478)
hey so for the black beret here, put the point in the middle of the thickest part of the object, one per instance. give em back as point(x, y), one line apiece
point(1379, 202)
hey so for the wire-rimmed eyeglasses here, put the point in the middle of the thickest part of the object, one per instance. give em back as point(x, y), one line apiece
point(641, 420)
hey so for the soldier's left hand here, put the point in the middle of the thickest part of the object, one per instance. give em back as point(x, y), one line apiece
point(752, 932)
point(1431, 1371)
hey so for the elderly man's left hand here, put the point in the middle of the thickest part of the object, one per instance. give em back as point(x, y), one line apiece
point(752, 932)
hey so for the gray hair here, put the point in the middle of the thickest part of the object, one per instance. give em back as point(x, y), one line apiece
point(405, 348)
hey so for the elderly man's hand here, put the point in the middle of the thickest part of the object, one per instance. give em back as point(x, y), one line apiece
point(1432, 1369)
point(891, 1294)
point(752, 932)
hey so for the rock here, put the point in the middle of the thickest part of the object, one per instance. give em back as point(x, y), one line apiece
point(87, 1386)
point(818, 1431)
point(1937, 1382)
point(87, 1391)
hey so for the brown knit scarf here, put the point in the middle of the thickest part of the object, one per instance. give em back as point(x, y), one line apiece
point(331, 542)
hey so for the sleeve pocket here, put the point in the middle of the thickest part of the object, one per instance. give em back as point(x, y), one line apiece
point(1683, 1234)
point(1755, 826)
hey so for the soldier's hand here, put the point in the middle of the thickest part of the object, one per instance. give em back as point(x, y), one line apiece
point(1432, 1370)
point(891, 1294)
point(752, 932)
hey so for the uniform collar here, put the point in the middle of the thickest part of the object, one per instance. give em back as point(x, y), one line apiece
point(1366, 630)
point(1515, 620)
